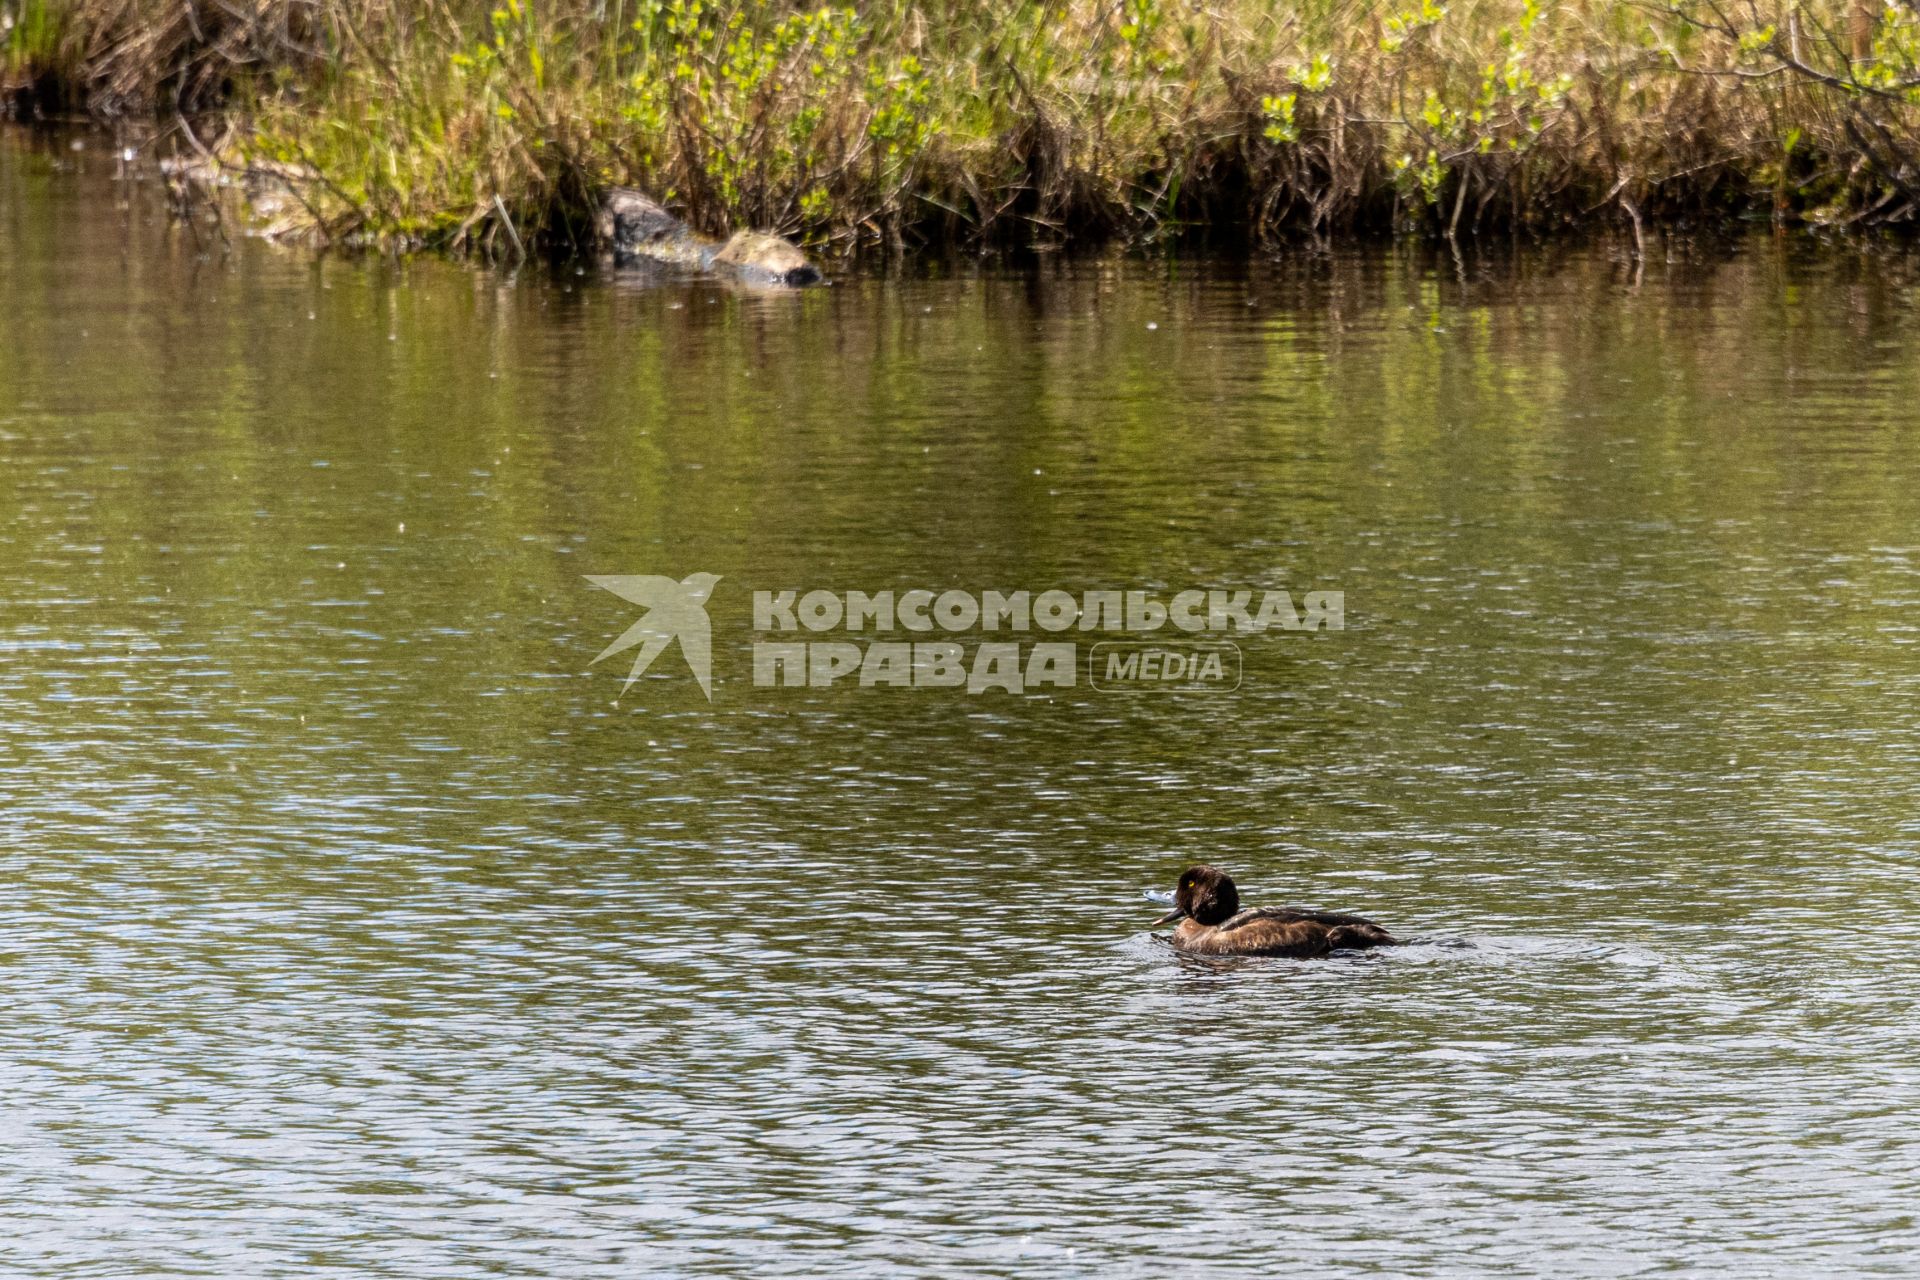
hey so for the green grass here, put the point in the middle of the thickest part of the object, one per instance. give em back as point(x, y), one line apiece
point(417, 122)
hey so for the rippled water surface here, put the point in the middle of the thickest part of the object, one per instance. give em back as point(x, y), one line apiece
point(351, 926)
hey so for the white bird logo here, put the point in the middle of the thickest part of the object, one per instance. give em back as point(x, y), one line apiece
point(674, 610)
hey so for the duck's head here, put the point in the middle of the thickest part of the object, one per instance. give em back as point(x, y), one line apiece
point(1205, 894)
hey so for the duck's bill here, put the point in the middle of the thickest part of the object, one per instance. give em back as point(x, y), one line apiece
point(1164, 898)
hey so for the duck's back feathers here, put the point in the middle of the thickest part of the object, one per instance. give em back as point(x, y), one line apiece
point(1281, 931)
point(1332, 919)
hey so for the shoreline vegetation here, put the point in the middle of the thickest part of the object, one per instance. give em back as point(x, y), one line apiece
point(493, 128)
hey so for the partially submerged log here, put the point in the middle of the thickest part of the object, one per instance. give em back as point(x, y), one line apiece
point(634, 226)
point(278, 200)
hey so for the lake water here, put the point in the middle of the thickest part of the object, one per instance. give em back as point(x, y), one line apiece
point(354, 922)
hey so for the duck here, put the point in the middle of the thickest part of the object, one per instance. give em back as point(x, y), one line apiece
point(1207, 907)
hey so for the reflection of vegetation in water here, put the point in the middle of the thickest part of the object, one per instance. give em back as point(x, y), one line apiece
point(457, 123)
point(336, 888)
point(1587, 528)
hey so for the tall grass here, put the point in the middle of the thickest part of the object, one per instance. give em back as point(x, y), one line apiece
point(431, 121)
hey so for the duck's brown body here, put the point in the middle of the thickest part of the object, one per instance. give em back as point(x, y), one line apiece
point(1211, 923)
point(1280, 931)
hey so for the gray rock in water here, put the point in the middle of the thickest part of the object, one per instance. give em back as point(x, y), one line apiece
point(634, 225)
point(759, 256)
